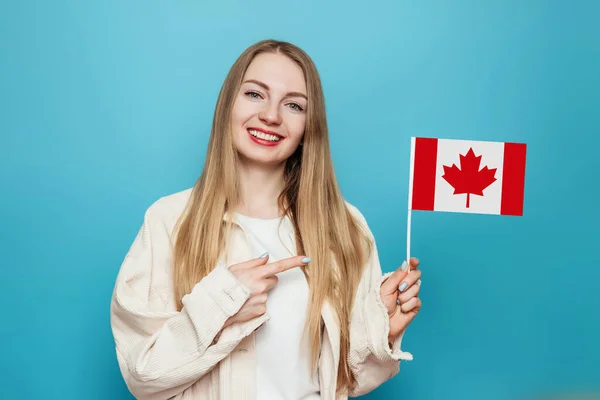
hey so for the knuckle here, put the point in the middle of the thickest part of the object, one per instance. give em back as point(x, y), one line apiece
point(408, 298)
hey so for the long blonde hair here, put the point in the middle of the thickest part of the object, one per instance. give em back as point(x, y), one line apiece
point(324, 227)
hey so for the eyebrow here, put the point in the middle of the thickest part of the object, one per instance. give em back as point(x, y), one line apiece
point(266, 87)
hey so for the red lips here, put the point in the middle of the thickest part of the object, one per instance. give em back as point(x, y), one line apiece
point(263, 142)
point(266, 131)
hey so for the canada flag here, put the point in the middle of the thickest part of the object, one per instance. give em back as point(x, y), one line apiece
point(467, 176)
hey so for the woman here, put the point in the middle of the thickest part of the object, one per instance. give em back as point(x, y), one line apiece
point(261, 282)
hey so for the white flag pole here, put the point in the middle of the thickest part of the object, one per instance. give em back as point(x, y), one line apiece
point(410, 190)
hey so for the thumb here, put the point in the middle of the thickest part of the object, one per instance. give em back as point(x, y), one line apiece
point(393, 281)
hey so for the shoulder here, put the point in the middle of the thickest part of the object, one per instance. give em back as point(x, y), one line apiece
point(167, 209)
point(354, 211)
point(155, 236)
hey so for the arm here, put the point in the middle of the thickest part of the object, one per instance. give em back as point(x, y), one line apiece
point(161, 351)
point(372, 358)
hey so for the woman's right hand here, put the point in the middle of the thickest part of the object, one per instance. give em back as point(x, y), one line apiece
point(259, 277)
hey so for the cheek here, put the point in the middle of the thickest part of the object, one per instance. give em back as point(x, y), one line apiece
point(296, 128)
point(241, 111)
point(236, 113)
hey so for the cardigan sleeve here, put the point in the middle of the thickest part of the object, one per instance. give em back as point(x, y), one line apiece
point(161, 351)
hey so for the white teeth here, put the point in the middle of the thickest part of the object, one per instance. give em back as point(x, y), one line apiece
point(264, 136)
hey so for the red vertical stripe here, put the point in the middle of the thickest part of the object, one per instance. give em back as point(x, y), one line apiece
point(423, 195)
point(513, 179)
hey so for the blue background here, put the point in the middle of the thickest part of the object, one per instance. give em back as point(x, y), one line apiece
point(106, 106)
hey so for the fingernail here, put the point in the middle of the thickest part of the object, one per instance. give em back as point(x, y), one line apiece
point(264, 255)
point(403, 267)
point(305, 260)
point(402, 287)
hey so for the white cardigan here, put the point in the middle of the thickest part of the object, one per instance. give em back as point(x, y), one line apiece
point(164, 354)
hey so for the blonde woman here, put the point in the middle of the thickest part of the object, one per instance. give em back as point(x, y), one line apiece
point(261, 282)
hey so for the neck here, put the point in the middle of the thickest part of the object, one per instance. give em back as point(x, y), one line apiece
point(260, 187)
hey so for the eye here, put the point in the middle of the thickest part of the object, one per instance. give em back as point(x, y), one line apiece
point(296, 107)
point(253, 95)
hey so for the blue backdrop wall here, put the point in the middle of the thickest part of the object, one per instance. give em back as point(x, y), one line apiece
point(106, 106)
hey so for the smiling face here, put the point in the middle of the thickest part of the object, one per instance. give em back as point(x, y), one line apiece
point(269, 113)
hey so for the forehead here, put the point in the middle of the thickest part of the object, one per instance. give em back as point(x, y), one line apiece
point(279, 72)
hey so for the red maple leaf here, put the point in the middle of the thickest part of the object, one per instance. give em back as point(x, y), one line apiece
point(469, 179)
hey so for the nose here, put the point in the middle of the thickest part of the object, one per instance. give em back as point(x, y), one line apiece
point(270, 114)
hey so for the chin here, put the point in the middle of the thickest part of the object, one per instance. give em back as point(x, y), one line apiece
point(259, 158)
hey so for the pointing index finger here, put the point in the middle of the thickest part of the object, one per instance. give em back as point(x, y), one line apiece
point(256, 262)
point(284, 265)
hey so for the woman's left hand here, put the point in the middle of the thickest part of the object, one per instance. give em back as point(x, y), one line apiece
point(400, 294)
